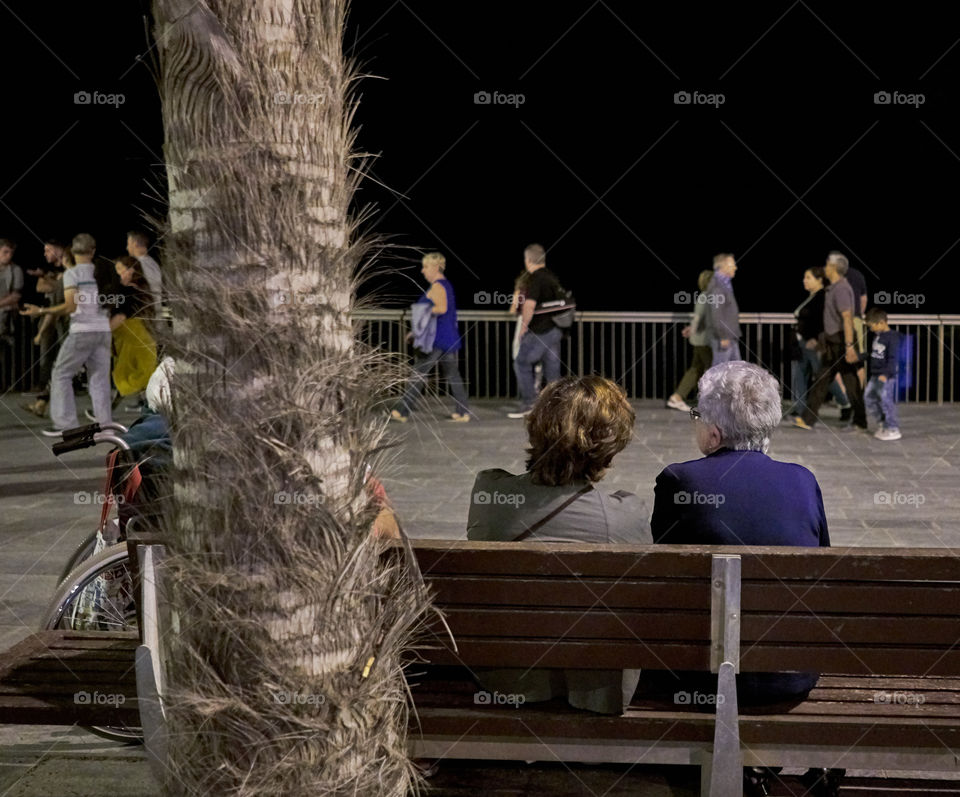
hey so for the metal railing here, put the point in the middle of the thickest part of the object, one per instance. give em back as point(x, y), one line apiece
point(643, 352)
point(647, 355)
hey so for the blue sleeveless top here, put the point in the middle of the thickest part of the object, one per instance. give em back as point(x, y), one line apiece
point(448, 336)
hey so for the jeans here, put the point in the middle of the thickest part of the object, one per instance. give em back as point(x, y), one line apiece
point(449, 367)
point(881, 401)
point(732, 352)
point(835, 363)
point(543, 348)
point(802, 373)
point(78, 349)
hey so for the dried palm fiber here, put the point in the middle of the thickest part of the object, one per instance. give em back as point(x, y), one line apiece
point(284, 663)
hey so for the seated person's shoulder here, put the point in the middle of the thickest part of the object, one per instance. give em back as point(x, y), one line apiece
point(493, 503)
point(678, 471)
point(628, 517)
point(792, 470)
point(500, 478)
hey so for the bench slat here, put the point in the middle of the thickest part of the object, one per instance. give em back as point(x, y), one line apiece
point(871, 598)
point(546, 559)
point(567, 592)
point(543, 721)
point(41, 676)
point(32, 710)
point(602, 624)
point(573, 654)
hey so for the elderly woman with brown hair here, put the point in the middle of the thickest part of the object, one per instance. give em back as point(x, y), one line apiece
point(576, 428)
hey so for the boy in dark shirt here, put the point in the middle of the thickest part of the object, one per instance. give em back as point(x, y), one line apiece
point(881, 394)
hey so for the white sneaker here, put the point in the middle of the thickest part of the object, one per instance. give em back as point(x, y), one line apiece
point(518, 414)
point(678, 404)
point(888, 434)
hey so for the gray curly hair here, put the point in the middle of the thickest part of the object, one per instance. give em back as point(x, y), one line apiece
point(743, 401)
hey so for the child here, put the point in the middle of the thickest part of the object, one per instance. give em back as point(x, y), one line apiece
point(881, 393)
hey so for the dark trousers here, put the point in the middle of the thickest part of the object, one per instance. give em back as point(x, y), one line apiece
point(49, 348)
point(450, 368)
point(702, 359)
point(834, 362)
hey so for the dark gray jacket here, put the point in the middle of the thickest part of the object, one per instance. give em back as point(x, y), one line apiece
point(723, 314)
point(502, 507)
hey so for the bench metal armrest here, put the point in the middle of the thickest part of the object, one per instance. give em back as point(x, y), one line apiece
point(726, 771)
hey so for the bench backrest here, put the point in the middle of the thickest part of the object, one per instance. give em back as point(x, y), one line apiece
point(839, 610)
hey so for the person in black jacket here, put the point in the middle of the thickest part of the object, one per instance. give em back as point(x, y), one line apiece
point(805, 344)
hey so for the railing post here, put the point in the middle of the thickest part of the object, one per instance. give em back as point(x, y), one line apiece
point(941, 375)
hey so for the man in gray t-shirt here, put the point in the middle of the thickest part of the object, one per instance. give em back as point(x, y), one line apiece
point(840, 355)
point(87, 344)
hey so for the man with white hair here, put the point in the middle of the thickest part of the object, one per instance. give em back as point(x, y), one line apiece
point(840, 354)
point(722, 316)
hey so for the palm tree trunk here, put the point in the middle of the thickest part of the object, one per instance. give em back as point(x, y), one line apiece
point(284, 667)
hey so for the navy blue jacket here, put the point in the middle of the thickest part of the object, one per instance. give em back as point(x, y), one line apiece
point(884, 354)
point(740, 498)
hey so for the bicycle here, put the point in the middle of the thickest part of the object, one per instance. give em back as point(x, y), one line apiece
point(100, 591)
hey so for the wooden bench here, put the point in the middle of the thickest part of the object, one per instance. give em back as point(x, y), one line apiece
point(882, 624)
point(70, 678)
point(91, 678)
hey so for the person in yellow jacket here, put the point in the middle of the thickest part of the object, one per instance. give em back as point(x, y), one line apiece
point(134, 349)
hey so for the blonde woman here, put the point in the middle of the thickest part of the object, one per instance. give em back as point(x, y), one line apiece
point(442, 347)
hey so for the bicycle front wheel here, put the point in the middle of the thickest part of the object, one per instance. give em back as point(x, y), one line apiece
point(98, 596)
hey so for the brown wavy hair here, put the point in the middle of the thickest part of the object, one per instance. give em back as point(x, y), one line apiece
point(576, 428)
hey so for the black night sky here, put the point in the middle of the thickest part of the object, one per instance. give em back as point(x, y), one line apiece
point(631, 192)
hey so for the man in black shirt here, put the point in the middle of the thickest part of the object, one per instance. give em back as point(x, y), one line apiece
point(539, 336)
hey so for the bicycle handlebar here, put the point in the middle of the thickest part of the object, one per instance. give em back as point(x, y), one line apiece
point(93, 436)
point(80, 431)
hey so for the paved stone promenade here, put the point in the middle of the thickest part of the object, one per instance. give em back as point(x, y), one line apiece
point(904, 493)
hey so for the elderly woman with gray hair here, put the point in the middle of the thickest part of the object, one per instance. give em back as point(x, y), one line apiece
point(737, 495)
